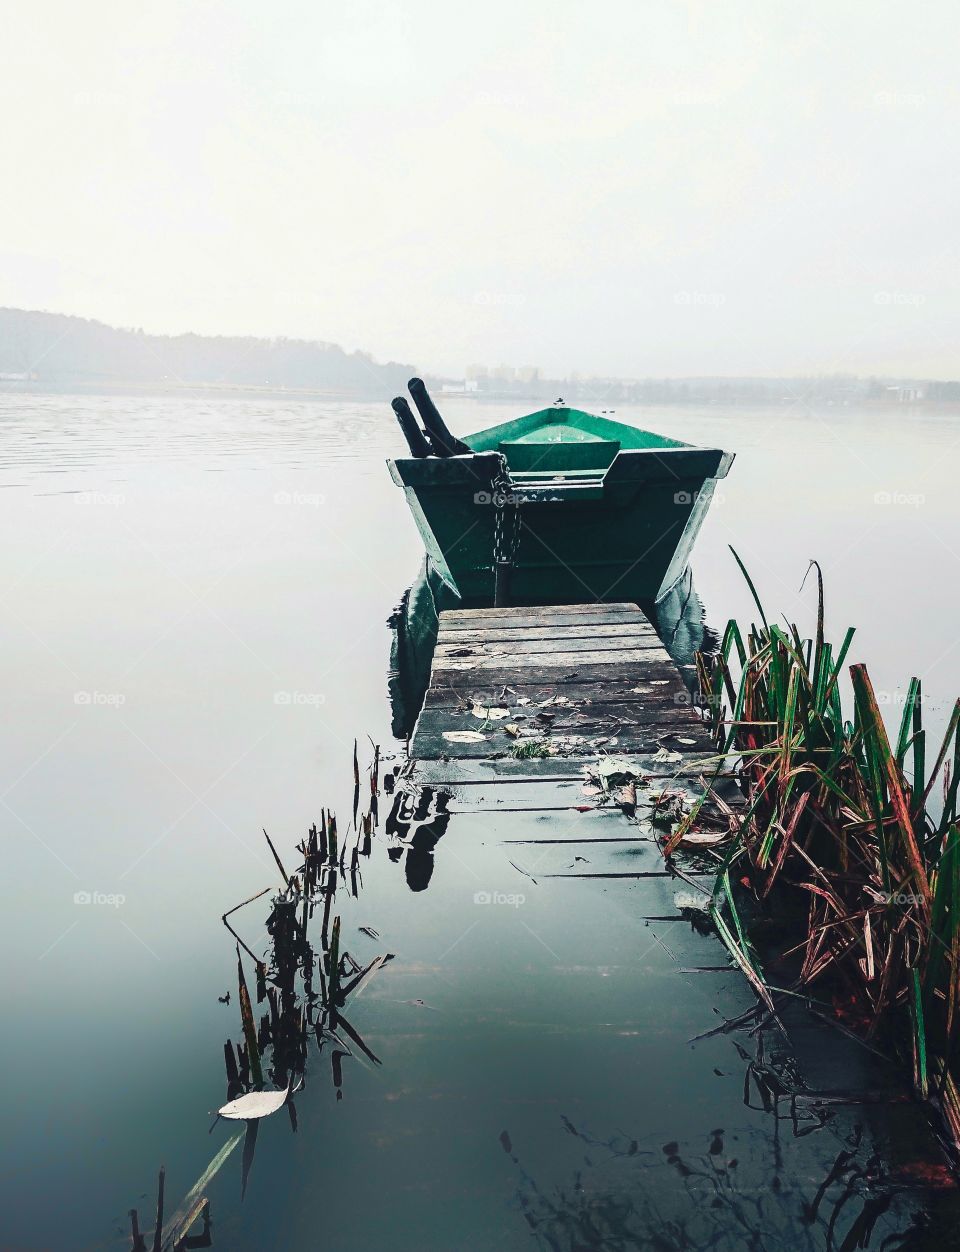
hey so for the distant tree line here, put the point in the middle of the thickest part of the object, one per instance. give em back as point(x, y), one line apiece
point(59, 350)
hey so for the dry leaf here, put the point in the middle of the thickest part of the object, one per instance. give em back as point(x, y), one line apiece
point(255, 1104)
point(489, 714)
point(702, 838)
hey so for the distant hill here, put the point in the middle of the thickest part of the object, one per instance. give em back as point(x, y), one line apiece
point(53, 349)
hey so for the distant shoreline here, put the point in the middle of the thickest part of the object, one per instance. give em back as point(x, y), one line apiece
point(241, 391)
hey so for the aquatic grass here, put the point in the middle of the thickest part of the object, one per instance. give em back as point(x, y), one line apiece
point(531, 749)
point(838, 816)
point(269, 1066)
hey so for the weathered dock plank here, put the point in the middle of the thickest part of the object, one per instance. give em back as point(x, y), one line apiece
point(545, 658)
point(660, 687)
point(574, 630)
point(546, 612)
point(607, 670)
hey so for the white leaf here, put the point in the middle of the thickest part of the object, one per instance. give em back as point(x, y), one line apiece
point(702, 837)
point(464, 736)
point(255, 1104)
point(489, 715)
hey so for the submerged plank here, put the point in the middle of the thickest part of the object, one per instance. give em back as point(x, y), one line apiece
point(501, 775)
point(574, 744)
point(606, 718)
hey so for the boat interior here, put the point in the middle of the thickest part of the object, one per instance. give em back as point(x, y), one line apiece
point(564, 443)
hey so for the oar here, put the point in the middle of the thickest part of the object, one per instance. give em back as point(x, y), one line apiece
point(441, 440)
point(412, 433)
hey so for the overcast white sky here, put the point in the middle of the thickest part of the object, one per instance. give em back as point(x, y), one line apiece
point(645, 187)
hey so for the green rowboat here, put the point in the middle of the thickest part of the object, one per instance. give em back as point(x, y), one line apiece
point(576, 507)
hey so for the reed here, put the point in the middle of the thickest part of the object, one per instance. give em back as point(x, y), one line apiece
point(853, 820)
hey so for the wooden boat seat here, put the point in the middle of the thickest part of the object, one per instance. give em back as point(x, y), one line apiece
point(560, 457)
point(539, 476)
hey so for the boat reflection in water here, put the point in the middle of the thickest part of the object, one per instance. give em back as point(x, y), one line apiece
point(678, 618)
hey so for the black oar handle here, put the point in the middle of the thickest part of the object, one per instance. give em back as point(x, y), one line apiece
point(441, 440)
point(408, 424)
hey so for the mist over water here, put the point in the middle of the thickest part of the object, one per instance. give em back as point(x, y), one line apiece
point(194, 631)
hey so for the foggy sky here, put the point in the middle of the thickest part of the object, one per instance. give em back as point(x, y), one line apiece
point(637, 188)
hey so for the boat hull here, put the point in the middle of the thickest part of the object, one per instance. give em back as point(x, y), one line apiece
point(627, 536)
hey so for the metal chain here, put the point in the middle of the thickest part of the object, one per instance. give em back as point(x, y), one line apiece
point(506, 522)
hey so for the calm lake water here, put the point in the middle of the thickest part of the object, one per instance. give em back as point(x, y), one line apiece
point(193, 627)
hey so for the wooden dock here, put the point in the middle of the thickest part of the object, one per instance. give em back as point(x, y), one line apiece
point(526, 710)
point(575, 680)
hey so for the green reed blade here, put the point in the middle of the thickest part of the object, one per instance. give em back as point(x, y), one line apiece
point(753, 590)
point(921, 1033)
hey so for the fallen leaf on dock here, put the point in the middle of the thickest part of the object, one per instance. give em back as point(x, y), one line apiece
point(463, 736)
point(627, 798)
point(489, 714)
point(664, 755)
point(702, 838)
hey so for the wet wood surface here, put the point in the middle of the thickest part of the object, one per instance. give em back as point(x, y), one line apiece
point(568, 680)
